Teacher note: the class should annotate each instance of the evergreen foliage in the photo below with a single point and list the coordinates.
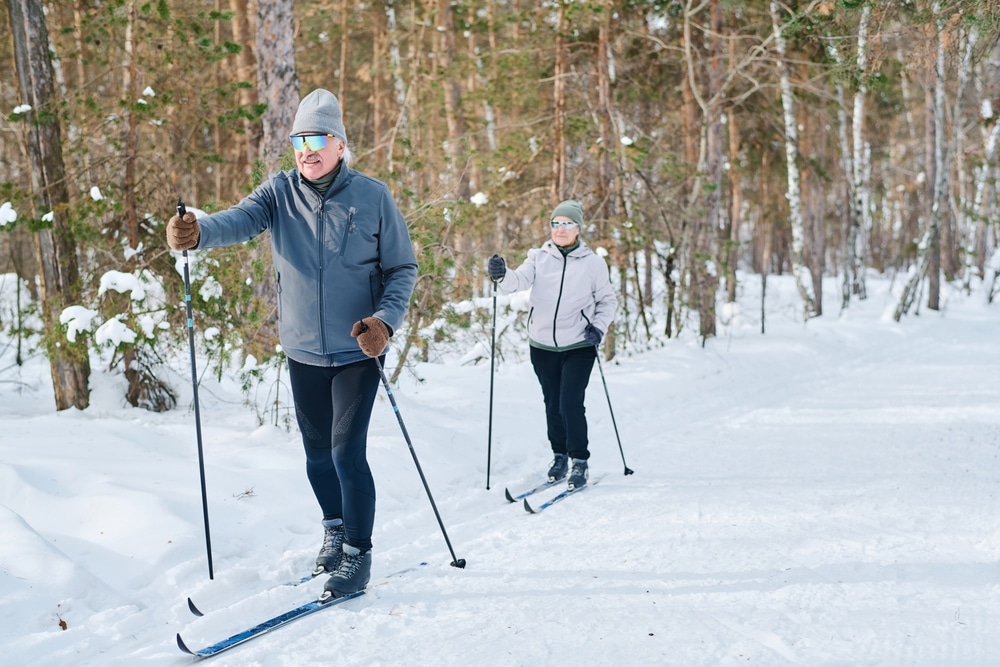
(663, 117)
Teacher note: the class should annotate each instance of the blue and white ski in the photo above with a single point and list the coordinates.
(193, 608)
(265, 627)
(525, 494)
(286, 617)
(562, 495)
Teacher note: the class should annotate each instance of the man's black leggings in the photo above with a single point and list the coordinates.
(333, 406)
(564, 377)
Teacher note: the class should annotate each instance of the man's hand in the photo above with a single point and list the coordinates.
(372, 335)
(183, 233)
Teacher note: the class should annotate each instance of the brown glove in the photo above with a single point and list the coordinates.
(372, 335)
(183, 233)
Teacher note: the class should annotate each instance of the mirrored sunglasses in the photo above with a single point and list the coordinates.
(565, 224)
(315, 142)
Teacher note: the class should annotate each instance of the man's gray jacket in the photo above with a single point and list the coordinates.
(338, 258)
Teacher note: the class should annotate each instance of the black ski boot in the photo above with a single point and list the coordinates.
(577, 474)
(558, 468)
(353, 575)
(332, 551)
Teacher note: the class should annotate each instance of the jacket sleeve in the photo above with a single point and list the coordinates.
(398, 263)
(521, 278)
(239, 223)
(605, 300)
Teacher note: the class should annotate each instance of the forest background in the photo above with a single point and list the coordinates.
(812, 137)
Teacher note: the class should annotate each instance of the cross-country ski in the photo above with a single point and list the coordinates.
(559, 497)
(267, 626)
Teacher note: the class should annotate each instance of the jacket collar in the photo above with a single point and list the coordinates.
(581, 250)
(344, 176)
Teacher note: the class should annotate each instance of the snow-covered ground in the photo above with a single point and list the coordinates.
(822, 494)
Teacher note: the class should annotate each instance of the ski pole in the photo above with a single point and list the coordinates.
(493, 352)
(181, 210)
(628, 471)
(455, 562)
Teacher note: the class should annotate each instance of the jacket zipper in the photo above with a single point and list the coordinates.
(347, 229)
(555, 314)
(320, 234)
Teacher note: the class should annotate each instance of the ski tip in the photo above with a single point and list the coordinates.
(510, 498)
(194, 610)
(182, 646)
(527, 507)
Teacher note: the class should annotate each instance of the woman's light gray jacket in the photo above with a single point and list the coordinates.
(337, 258)
(567, 293)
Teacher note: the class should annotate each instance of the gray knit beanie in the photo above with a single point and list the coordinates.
(570, 208)
(319, 111)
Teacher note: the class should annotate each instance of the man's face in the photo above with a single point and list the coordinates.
(316, 155)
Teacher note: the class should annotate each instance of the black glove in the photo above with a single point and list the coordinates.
(592, 335)
(496, 268)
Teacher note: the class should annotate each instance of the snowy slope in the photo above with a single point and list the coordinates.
(823, 494)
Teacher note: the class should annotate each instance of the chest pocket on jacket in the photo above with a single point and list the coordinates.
(349, 229)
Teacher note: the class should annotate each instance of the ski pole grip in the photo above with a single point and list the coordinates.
(181, 209)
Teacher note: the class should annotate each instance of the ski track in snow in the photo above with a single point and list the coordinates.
(824, 494)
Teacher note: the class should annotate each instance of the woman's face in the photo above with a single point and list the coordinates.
(564, 235)
(315, 161)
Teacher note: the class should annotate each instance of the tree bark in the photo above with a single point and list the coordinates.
(803, 280)
(940, 171)
(277, 82)
(454, 116)
(245, 60)
(929, 258)
(559, 191)
(56, 246)
(860, 216)
(130, 91)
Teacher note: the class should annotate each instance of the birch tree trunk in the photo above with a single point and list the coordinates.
(929, 260)
(803, 279)
(940, 170)
(277, 82)
(401, 127)
(58, 271)
(847, 167)
(860, 211)
(976, 255)
(953, 226)
(964, 224)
